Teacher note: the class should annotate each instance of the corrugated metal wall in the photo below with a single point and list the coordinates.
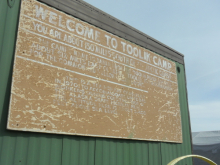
(25, 148)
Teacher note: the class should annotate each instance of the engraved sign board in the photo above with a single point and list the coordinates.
(71, 77)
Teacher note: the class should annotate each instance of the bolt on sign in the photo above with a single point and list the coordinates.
(73, 78)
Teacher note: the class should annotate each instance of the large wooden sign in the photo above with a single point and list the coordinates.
(73, 78)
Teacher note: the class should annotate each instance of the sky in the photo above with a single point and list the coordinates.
(192, 27)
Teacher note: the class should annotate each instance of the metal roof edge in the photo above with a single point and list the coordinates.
(101, 19)
(125, 24)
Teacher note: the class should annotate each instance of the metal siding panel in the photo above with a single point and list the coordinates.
(113, 151)
(72, 146)
(180, 152)
(98, 152)
(145, 153)
(138, 152)
(106, 152)
(154, 153)
(67, 154)
(7, 150)
(3, 14)
(186, 145)
(183, 115)
(132, 154)
(126, 148)
(118, 152)
(43, 146)
(78, 150)
(56, 150)
(169, 152)
(21, 144)
(7, 142)
(39, 148)
(110, 151)
(20, 147)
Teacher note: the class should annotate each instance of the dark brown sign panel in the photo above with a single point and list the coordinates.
(73, 78)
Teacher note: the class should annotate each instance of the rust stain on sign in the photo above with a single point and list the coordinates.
(73, 78)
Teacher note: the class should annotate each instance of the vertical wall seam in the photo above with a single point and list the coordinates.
(189, 121)
(3, 30)
(161, 157)
(62, 152)
(148, 153)
(95, 152)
